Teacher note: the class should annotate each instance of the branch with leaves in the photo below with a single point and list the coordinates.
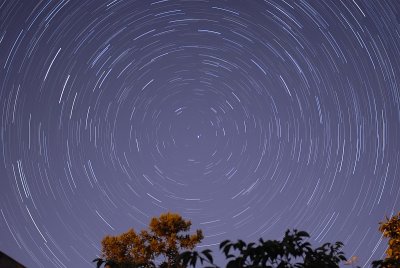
(391, 230)
(166, 238)
(291, 252)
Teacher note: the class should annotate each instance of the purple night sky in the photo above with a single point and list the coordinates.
(247, 117)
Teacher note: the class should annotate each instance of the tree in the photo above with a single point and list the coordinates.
(390, 229)
(166, 238)
(291, 252)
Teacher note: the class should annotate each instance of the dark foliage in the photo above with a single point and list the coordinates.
(112, 264)
(292, 252)
(386, 263)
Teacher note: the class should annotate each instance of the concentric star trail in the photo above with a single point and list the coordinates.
(247, 117)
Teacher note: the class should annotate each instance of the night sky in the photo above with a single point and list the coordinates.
(247, 117)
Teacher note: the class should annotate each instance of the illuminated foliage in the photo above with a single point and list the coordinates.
(166, 238)
(390, 229)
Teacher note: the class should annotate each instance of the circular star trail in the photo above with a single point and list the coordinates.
(246, 117)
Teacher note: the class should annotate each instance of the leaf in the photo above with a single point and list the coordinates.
(193, 260)
(208, 255)
(231, 264)
(185, 257)
(224, 243)
(226, 249)
(303, 234)
(99, 262)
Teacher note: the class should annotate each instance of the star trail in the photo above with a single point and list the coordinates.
(247, 117)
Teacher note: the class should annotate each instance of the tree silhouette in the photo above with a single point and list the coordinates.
(291, 252)
(166, 238)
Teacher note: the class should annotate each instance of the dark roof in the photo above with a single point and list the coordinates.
(8, 262)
